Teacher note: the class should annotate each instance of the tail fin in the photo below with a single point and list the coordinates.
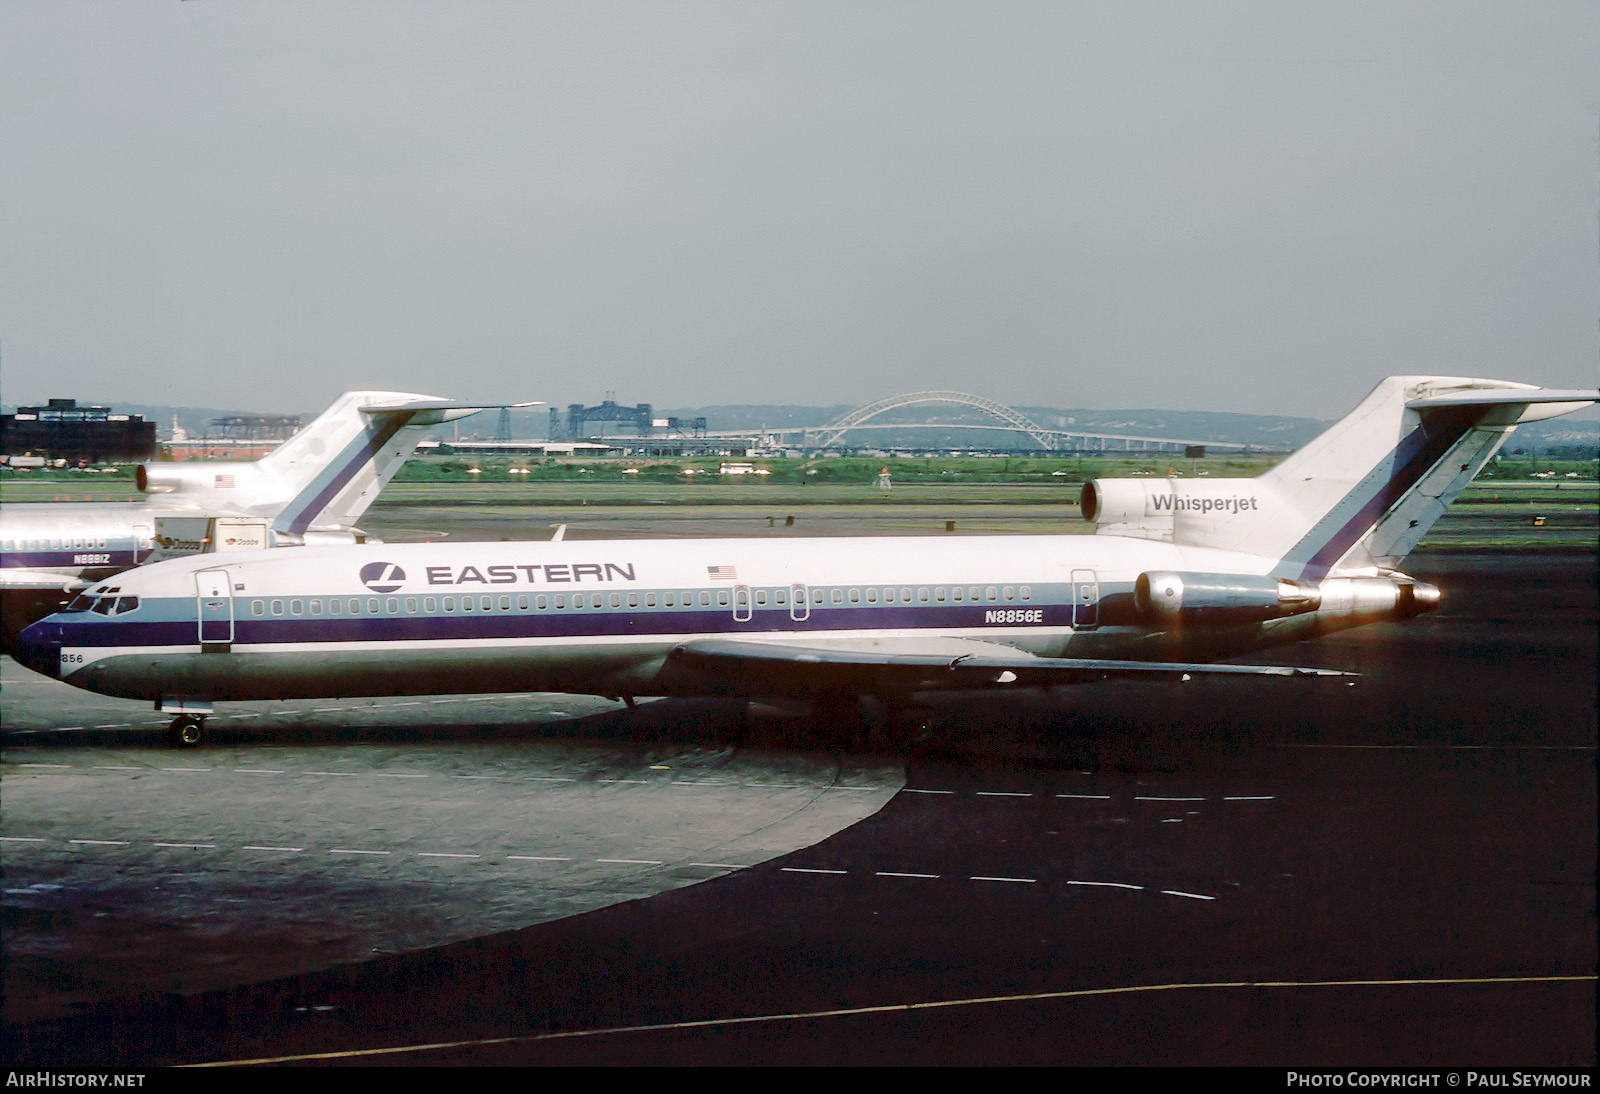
(334, 468)
(1367, 490)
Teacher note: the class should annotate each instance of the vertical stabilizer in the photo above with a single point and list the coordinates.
(336, 466)
(1367, 490)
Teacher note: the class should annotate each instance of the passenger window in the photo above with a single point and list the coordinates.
(411, 605)
(633, 600)
(372, 606)
(277, 607)
(1027, 593)
(486, 603)
(561, 601)
(989, 593)
(449, 603)
(705, 599)
(466, 603)
(355, 606)
(888, 596)
(316, 607)
(297, 607)
(542, 601)
(1010, 593)
(256, 607)
(837, 596)
(335, 606)
(594, 600)
(938, 594)
(671, 600)
(430, 605)
(872, 596)
(522, 603)
(393, 605)
(761, 596)
(722, 597)
(649, 600)
(855, 596)
(922, 596)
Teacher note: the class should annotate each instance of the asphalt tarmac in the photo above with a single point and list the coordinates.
(1291, 873)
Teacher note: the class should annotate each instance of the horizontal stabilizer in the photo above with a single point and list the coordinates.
(1507, 396)
(441, 404)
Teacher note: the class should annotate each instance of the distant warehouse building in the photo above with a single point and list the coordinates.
(63, 430)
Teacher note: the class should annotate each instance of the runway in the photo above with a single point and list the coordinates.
(1281, 873)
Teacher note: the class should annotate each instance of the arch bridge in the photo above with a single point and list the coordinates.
(835, 430)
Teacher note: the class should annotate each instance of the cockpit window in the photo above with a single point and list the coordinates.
(104, 605)
(80, 603)
(126, 604)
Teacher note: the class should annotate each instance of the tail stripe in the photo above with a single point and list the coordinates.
(1410, 460)
(297, 515)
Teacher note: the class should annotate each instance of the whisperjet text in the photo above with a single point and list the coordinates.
(1239, 503)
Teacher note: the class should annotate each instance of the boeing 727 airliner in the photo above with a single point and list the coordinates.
(1180, 573)
(311, 489)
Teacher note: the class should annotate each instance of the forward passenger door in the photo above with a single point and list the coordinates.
(214, 604)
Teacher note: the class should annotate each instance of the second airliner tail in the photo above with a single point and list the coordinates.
(336, 466)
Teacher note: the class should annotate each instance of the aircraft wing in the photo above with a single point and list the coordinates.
(39, 579)
(791, 667)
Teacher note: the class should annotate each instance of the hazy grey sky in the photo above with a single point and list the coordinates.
(1260, 207)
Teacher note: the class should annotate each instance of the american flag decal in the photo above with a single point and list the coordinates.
(222, 482)
(722, 573)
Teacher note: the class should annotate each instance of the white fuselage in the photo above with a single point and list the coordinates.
(602, 617)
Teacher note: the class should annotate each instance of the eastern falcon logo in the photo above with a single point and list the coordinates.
(382, 577)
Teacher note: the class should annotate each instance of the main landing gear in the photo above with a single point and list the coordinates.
(854, 723)
(187, 731)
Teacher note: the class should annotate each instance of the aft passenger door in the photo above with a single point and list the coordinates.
(214, 604)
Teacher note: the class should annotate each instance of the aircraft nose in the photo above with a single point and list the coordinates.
(39, 648)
